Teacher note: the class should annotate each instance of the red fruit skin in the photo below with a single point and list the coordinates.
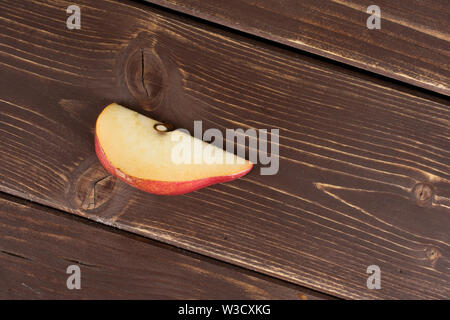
(162, 187)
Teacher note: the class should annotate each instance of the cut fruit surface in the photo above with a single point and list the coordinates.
(136, 149)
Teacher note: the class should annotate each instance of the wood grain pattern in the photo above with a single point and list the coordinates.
(413, 44)
(38, 244)
(364, 164)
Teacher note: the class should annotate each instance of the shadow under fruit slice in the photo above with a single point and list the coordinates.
(135, 149)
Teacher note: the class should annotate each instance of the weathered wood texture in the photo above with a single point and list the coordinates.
(364, 164)
(413, 44)
(37, 245)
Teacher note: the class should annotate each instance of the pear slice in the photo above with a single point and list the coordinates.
(139, 151)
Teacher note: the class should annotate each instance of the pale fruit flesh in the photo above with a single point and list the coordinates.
(130, 147)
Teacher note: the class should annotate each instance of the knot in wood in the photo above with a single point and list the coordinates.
(93, 186)
(145, 77)
(422, 193)
(432, 254)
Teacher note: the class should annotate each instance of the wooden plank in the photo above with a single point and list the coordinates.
(364, 164)
(38, 244)
(412, 45)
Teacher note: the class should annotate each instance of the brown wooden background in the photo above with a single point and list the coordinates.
(364, 163)
(412, 44)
